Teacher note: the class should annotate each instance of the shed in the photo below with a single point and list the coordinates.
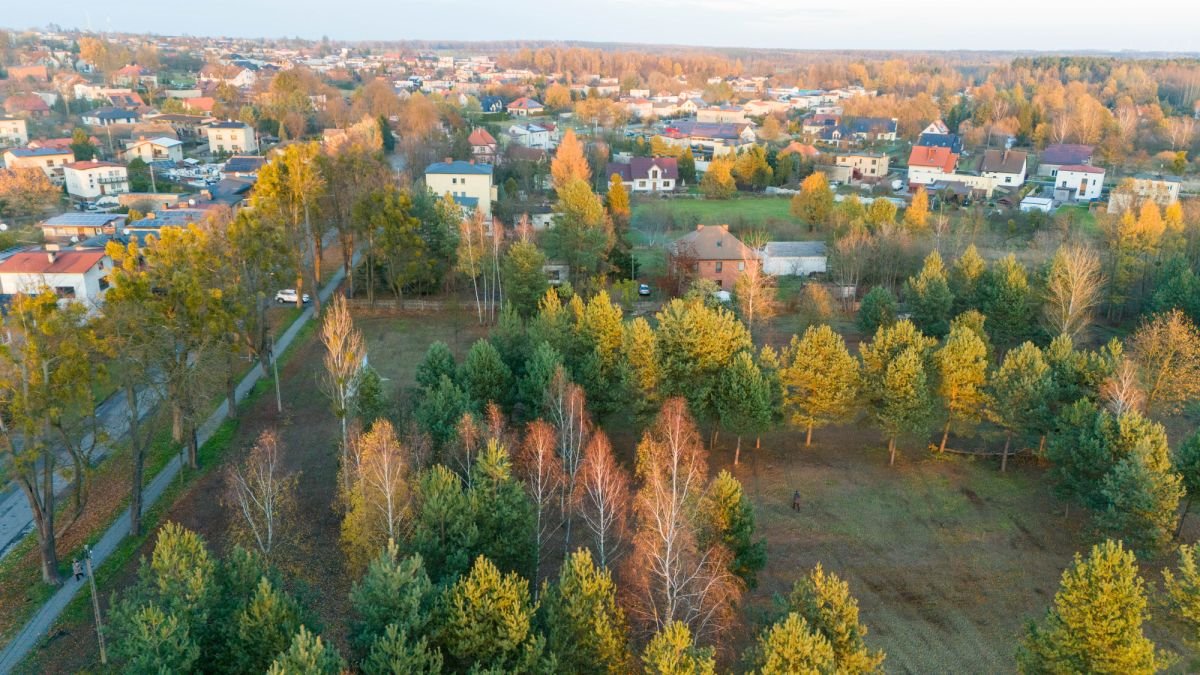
(1043, 204)
(794, 258)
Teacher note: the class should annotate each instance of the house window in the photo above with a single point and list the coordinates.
(742, 266)
(65, 291)
(104, 283)
(720, 266)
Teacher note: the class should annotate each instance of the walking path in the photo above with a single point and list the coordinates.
(37, 626)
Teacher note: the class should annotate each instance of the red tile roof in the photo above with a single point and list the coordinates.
(84, 166)
(1080, 168)
(481, 137)
(64, 262)
(924, 155)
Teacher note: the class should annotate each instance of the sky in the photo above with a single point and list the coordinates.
(1107, 25)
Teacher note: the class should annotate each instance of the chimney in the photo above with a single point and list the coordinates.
(51, 256)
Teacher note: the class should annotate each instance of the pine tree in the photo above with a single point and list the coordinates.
(820, 380)
(742, 400)
(687, 166)
(929, 296)
(308, 655)
(791, 646)
(485, 377)
(907, 401)
(440, 410)
(539, 371)
(672, 652)
(1143, 497)
(1019, 393)
(878, 308)
(1183, 591)
(524, 279)
(443, 532)
(397, 652)
(585, 627)
(503, 514)
(1095, 624)
(1008, 301)
(695, 343)
(727, 518)
(265, 627)
(825, 602)
(487, 619)
(1186, 463)
(395, 593)
(966, 278)
(438, 361)
(813, 204)
(645, 370)
(147, 640)
(962, 373)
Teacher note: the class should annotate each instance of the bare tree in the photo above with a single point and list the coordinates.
(755, 289)
(1166, 349)
(262, 495)
(345, 356)
(1073, 290)
(542, 473)
(670, 576)
(381, 467)
(1122, 392)
(603, 496)
(568, 413)
(1181, 131)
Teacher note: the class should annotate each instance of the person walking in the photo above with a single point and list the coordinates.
(796, 500)
(77, 568)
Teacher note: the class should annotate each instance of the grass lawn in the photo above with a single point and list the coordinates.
(657, 220)
(947, 556)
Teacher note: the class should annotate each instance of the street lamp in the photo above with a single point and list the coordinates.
(87, 556)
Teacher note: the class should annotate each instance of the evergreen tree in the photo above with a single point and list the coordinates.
(308, 655)
(1007, 300)
(1186, 463)
(371, 402)
(878, 308)
(792, 646)
(695, 343)
(743, 402)
(880, 213)
(151, 641)
(396, 652)
(966, 280)
(1095, 624)
(907, 401)
(962, 373)
(585, 627)
(644, 369)
(1142, 496)
(443, 533)
(504, 516)
(1019, 393)
(438, 362)
(485, 377)
(824, 601)
(672, 652)
(687, 167)
(727, 518)
(1183, 591)
(440, 410)
(487, 620)
(265, 627)
(531, 389)
(819, 378)
(511, 340)
(928, 295)
(394, 593)
(524, 279)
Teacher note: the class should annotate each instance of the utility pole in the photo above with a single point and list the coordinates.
(87, 555)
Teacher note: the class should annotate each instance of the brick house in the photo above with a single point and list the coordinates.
(711, 252)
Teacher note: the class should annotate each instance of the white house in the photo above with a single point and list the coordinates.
(155, 149)
(90, 180)
(1084, 181)
(929, 164)
(531, 136)
(75, 275)
(232, 138)
(1006, 167)
(107, 117)
(13, 131)
(646, 174)
(794, 258)
(49, 160)
(470, 184)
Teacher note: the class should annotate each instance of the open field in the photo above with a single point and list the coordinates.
(947, 556)
(656, 218)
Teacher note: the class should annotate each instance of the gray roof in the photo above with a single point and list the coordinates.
(229, 125)
(83, 219)
(37, 152)
(459, 167)
(794, 249)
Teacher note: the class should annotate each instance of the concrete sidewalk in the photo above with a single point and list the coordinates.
(41, 622)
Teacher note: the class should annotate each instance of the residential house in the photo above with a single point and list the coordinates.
(468, 183)
(126, 100)
(200, 104)
(132, 75)
(185, 126)
(75, 227)
(794, 258)
(711, 252)
(1079, 182)
(35, 72)
(1162, 190)
(26, 105)
(243, 166)
(231, 138)
(1062, 154)
(236, 75)
(13, 132)
(873, 128)
(805, 150)
(75, 275)
(721, 114)
(491, 104)
(87, 181)
(525, 107)
(710, 139)
(484, 148)
(530, 135)
(646, 174)
(869, 165)
(49, 160)
(927, 164)
(815, 125)
(952, 141)
(107, 117)
(1007, 167)
(936, 127)
(155, 150)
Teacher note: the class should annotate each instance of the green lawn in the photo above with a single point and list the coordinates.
(655, 219)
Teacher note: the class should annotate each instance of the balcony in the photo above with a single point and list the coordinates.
(112, 180)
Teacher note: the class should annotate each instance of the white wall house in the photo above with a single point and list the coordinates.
(49, 160)
(231, 138)
(155, 149)
(1087, 181)
(794, 258)
(531, 136)
(1007, 167)
(13, 131)
(468, 183)
(91, 180)
(75, 275)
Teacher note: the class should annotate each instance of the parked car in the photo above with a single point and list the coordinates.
(643, 290)
(288, 295)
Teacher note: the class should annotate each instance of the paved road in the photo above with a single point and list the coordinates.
(16, 650)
